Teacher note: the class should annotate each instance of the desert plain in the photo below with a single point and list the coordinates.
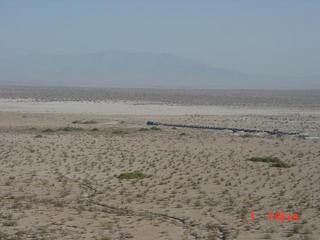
(95, 172)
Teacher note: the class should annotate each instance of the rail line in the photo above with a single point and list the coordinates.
(246, 130)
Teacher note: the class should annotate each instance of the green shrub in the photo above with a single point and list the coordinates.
(48, 130)
(275, 162)
(119, 131)
(84, 122)
(68, 129)
(247, 135)
(144, 129)
(280, 165)
(155, 128)
(132, 175)
(149, 129)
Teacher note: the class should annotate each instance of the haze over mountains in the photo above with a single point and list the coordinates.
(139, 69)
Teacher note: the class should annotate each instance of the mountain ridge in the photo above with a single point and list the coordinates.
(135, 69)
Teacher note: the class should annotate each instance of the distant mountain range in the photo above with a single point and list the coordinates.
(123, 69)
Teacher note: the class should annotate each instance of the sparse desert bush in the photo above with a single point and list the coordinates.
(58, 203)
(212, 236)
(132, 175)
(38, 136)
(296, 229)
(280, 165)
(65, 129)
(48, 130)
(267, 236)
(105, 238)
(84, 122)
(9, 223)
(94, 130)
(68, 129)
(275, 162)
(3, 235)
(119, 131)
(247, 135)
(149, 129)
(143, 129)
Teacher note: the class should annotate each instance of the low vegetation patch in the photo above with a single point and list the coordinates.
(68, 129)
(155, 128)
(143, 129)
(280, 165)
(274, 161)
(84, 122)
(48, 130)
(132, 175)
(149, 129)
(247, 135)
(65, 129)
(119, 131)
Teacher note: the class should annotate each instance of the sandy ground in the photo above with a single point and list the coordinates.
(60, 180)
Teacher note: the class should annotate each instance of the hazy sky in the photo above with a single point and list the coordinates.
(270, 36)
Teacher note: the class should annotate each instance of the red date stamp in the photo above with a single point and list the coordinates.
(280, 216)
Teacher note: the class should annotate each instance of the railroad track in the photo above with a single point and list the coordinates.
(246, 130)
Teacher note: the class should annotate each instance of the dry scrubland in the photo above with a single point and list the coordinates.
(60, 180)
